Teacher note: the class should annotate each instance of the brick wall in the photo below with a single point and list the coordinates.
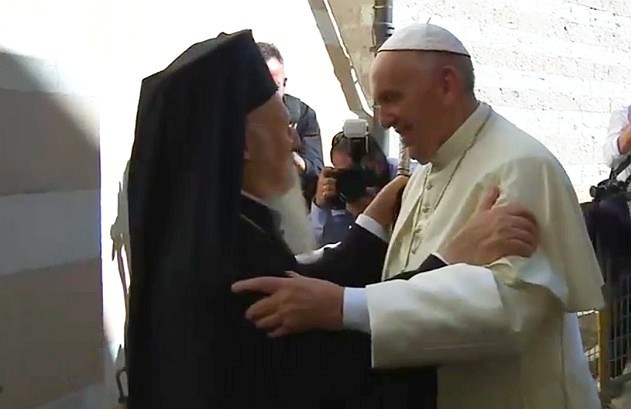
(555, 68)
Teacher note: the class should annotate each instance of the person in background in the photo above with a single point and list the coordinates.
(308, 155)
(330, 218)
(616, 150)
(617, 146)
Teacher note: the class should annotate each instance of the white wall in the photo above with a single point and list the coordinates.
(51, 334)
(555, 68)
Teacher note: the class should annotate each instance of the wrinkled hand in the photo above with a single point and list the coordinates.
(493, 232)
(293, 304)
(384, 207)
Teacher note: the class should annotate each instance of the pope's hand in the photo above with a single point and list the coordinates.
(293, 304)
(493, 232)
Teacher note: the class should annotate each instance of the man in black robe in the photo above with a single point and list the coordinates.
(212, 144)
(212, 149)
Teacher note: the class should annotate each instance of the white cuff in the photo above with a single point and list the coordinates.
(373, 227)
(355, 310)
(313, 256)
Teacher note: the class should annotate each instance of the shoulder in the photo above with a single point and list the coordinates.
(297, 103)
(512, 154)
(508, 144)
(620, 117)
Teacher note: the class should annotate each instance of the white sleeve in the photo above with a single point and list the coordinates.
(618, 122)
(369, 224)
(455, 313)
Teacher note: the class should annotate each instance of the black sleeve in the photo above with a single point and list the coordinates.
(431, 263)
(356, 262)
(311, 147)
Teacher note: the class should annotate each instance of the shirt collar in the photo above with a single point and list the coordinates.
(254, 198)
(462, 138)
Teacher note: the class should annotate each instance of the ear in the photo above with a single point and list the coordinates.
(450, 83)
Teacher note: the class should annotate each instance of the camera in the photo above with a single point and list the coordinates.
(352, 182)
(612, 187)
(608, 188)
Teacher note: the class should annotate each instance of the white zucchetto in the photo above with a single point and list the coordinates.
(424, 37)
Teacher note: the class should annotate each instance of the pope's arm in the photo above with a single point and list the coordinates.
(463, 312)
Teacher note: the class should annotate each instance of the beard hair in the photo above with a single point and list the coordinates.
(295, 223)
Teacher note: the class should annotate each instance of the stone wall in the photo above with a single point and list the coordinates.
(555, 68)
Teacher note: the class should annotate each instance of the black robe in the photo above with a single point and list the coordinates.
(318, 369)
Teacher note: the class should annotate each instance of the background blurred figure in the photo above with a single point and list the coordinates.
(308, 155)
(618, 143)
(330, 216)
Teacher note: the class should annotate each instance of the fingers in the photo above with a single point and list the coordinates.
(491, 197)
(327, 172)
(267, 285)
(517, 247)
(270, 323)
(266, 316)
(525, 224)
(265, 307)
(516, 210)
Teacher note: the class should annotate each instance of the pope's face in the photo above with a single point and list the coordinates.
(268, 150)
(412, 98)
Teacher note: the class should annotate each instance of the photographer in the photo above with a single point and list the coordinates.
(618, 143)
(331, 216)
(610, 223)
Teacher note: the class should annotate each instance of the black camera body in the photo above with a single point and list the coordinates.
(352, 182)
(612, 187)
(608, 188)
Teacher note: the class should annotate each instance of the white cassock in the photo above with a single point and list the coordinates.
(505, 336)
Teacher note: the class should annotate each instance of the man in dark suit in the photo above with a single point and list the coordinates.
(308, 154)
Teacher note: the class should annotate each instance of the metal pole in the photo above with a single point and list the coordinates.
(382, 29)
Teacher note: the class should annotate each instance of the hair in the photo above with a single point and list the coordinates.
(270, 51)
(374, 160)
(464, 67)
(460, 63)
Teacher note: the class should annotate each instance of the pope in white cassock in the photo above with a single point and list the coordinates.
(506, 335)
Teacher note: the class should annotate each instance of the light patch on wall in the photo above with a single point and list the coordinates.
(48, 229)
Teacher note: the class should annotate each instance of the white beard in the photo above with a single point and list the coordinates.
(295, 222)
